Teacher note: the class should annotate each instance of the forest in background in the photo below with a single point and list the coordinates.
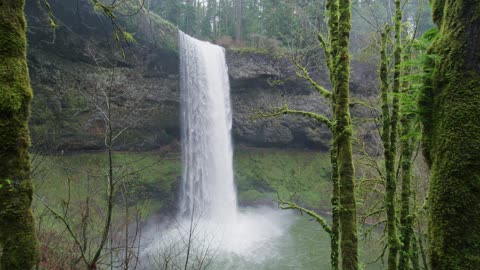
(268, 24)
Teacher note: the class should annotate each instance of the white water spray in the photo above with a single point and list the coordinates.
(207, 183)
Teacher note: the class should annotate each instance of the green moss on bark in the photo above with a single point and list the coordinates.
(391, 152)
(437, 10)
(335, 234)
(330, 54)
(452, 132)
(343, 140)
(17, 234)
(407, 250)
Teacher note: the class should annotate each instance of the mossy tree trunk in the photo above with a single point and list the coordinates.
(343, 231)
(391, 113)
(407, 145)
(391, 152)
(343, 141)
(17, 234)
(406, 219)
(452, 135)
(331, 53)
(335, 235)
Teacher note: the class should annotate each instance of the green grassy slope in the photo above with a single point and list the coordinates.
(260, 175)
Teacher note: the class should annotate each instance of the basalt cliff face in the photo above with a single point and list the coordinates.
(81, 84)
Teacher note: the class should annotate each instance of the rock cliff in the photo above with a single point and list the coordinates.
(76, 76)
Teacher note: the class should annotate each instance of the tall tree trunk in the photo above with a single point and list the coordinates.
(391, 189)
(17, 233)
(334, 236)
(238, 21)
(407, 144)
(406, 219)
(212, 16)
(343, 140)
(331, 53)
(389, 152)
(414, 254)
(190, 18)
(452, 137)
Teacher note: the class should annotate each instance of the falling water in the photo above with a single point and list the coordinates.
(207, 185)
(208, 202)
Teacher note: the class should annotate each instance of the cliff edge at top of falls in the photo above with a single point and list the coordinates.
(73, 68)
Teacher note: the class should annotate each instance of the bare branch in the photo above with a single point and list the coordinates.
(317, 217)
(67, 226)
(278, 111)
(304, 74)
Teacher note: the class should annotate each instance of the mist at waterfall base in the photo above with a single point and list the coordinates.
(253, 242)
(209, 226)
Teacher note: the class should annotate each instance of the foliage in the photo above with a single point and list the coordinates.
(263, 24)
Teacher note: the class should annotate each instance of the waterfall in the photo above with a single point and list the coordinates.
(207, 187)
(209, 222)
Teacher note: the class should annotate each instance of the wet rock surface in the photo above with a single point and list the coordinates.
(72, 71)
